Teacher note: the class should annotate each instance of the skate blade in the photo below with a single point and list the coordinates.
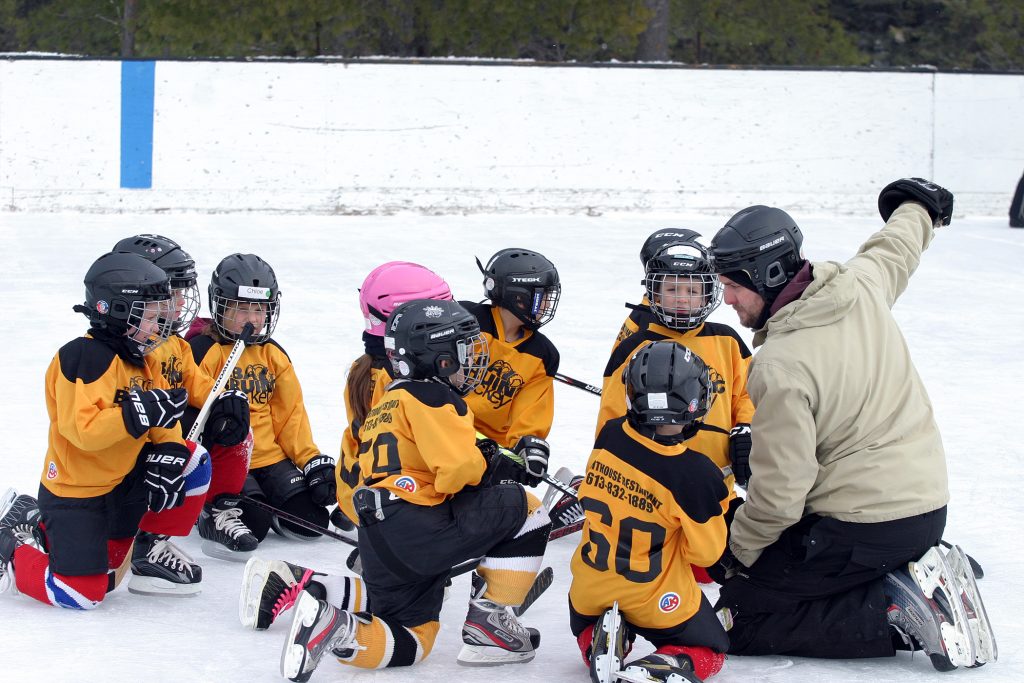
(155, 587)
(932, 573)
(564, 475)
(977, 616)
(7, 500)
(293, 656)
(251, 594)
(221, 552)
(604, 668)
(484, 655)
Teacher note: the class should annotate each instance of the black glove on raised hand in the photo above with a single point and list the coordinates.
(142, 410)
(535, 452)
(228, 421)
(937, 200)
(165, 475)
(739, 453)
(319, 474)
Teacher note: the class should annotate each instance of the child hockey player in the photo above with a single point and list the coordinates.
(288, 471)
(270, 587)
(653, 506)
(115, 450)
(682, 292)
(426, 504)
(226, 434)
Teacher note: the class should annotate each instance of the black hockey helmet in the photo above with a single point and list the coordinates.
(659, 240)
(667, 384)
(244, 284)
(435, 339)
(759, 248)
(682, 288)
(179, 266)
(127, 295)
(525, 283)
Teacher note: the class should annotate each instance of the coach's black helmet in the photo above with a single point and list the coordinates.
(759, 248)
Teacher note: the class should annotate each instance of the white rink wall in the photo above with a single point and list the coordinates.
(437, 138)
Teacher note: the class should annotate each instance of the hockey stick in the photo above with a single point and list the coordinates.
(564, 379)
(222, 380)
(299, 521)
(462, 568)
(976, 569)
(540, 584)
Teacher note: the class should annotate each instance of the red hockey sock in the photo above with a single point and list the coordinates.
(706, 662)
(585, 640)
(230, 467)
(701, 574)
(35, 580)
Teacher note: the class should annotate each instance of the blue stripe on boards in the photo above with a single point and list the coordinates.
(137, 124)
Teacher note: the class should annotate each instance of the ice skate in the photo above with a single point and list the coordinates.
(161, 568)
(659, 668)
(225, 536)
(269, 587)
(565, 511)
(492, 635)
(8, 544)
(925, 610)
(20, 514)
(608, 649)
(316, 628)
(985, 649)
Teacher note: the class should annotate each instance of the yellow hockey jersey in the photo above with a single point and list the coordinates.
(418, 442)
(173, 365)
(651, 511)
(277, 414)
(517, 395)
(639, 318)
(727, 358)
(89, 450)
(346, 474)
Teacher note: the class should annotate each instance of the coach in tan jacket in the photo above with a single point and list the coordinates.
(847, 471)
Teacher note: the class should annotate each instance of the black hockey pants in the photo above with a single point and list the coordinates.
(818, 590)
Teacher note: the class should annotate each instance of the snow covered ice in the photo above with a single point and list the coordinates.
(962, 316)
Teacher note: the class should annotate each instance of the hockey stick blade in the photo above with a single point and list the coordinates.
(976, 569)
(540, 584)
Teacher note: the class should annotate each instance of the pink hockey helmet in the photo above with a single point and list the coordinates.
(393, 283)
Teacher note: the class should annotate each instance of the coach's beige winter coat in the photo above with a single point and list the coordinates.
(843, 426)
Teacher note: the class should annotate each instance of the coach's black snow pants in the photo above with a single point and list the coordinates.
(818, 590)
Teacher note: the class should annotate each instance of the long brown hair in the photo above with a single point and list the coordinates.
(359, 387)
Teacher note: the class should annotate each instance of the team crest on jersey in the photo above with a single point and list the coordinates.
(717, 381)
(500, 384)
(51, 470)
(669, 602)
(257, 381)
(407, 484)
(171, 371)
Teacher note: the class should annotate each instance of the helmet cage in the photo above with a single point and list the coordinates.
(677, 276)
(150, 322)
(186, 303)
(534, 306)
(256, 303)
(453, 351)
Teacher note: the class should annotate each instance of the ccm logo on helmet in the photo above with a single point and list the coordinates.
(771, 244)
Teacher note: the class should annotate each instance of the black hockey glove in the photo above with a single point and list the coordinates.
(739, 453)
(319, 474)
(504, 467)
(535, 452)
(165, 475)
(937, 200)
(228, 421)
(142, 410)
(725, 568)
